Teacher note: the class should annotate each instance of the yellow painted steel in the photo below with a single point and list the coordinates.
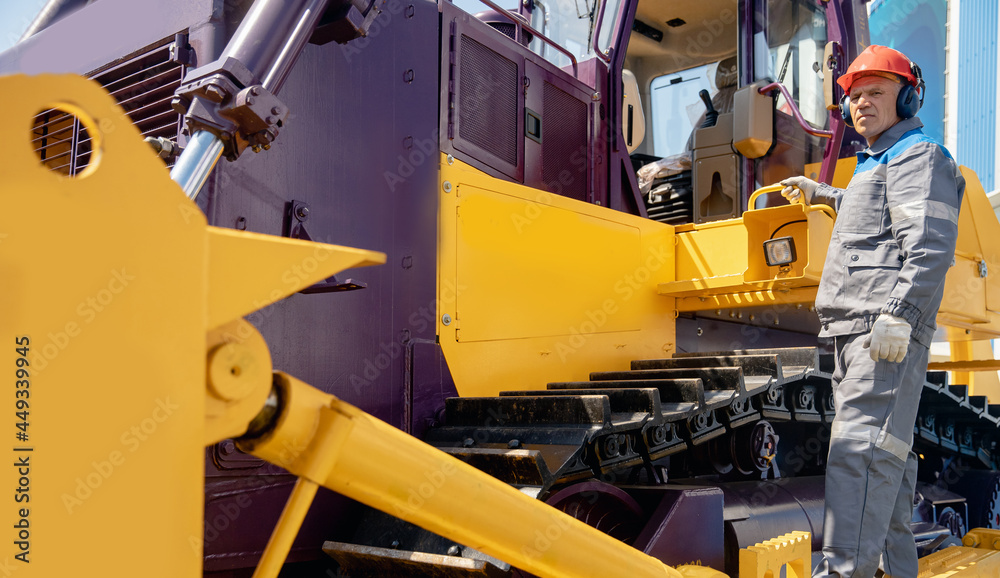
(798, 298)
(105, 278)
(722, 264)
(113, 293)
(978, 557)
(332, 443)
(534, 287)
(250, 271)
(792, 551)
(238, 379)
(972, 364)
(286, 529)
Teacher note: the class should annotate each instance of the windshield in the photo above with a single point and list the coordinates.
(791, 52)
(569, 23)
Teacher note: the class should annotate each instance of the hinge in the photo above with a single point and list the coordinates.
(180, 51)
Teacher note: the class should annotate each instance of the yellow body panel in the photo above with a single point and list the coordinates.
(540, 288)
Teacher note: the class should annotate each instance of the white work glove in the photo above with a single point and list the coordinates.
(889, 338)
(794, 184)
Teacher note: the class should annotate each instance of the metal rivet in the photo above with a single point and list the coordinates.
(408, 76)
(451, 159)
(854, 257)
(447, 186)
(446, 319)
(700, 332)
(410, 11)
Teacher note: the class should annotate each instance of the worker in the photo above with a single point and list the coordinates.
(892, 244)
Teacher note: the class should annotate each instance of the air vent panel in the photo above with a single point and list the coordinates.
(142, 84)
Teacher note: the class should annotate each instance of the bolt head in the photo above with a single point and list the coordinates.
(255, 90)
(451, 159)
(446, 319)
(302, 212)
(276, 110)
(447, 186)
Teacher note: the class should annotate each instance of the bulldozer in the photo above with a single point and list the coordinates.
(446, 288)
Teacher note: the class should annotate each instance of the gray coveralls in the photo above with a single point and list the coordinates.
(892, 244)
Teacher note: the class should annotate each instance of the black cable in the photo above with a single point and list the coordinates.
(785, 225)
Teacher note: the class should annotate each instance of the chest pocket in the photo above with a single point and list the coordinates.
(862, 211)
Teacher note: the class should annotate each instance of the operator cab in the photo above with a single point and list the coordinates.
(677, 50)
(686, 150)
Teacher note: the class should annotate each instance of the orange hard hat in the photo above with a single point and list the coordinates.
(878, 59)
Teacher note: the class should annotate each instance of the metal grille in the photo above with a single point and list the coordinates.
(143, 85)
(487, 100)
(564, 142)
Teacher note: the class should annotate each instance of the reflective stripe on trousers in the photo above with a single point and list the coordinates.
(871, 472)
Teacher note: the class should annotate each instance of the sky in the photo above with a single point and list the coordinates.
(15, 16)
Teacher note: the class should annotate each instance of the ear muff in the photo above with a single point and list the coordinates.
(911, 98)
(908, 102)
(845, 110)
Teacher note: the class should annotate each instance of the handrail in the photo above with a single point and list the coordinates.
(521, 25)
(795, 110)
(801, 200)
(595, 41)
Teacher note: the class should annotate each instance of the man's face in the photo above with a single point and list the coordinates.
(873, 106)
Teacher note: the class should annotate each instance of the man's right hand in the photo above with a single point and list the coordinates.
(795, 184)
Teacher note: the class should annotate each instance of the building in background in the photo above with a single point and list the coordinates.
(955, 44)
(918, 29)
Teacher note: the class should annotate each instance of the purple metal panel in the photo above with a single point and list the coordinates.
(430, 383)
(478, 91)
(559, 162)
(489, 100)
(686, 528)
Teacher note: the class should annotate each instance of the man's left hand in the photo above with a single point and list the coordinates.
(889, 339)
